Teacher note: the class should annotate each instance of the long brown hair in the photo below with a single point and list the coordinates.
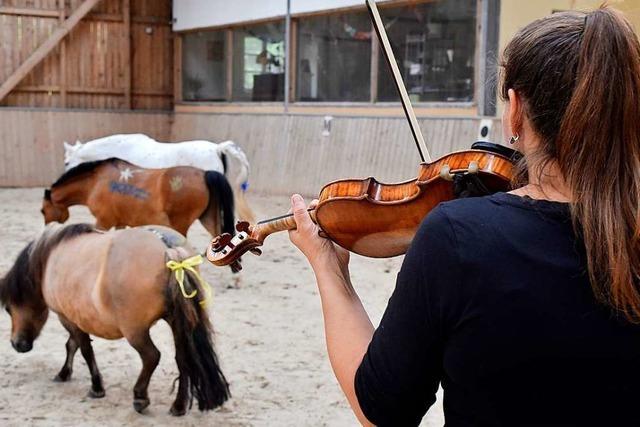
(579, 77)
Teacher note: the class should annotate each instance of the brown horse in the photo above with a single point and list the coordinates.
(119, 194)
(115, 285)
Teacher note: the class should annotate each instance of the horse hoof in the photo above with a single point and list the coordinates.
(140, 404)
(62, 377)
(96, 394)
(178, 410)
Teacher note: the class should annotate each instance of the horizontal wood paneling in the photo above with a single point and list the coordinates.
(291, 154)
(31, 141)
(287, 153)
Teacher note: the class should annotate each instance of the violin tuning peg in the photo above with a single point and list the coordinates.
(473, 168)
(256, 251)
(445, 173)
(242, 226)
(220, 241)
(235, 266)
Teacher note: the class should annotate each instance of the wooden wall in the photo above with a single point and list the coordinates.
(291, 153)
(287, 152)
(31, 141)
(119, 57)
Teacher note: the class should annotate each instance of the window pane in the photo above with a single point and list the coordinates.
(258, 62)
(334, 58)
(434, 44)
(203, 66)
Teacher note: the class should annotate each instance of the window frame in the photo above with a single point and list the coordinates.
(487, 17)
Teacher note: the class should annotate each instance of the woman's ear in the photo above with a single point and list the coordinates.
(515, 112)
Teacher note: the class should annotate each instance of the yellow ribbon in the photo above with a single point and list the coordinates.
(188, 264)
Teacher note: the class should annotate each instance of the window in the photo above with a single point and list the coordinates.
(434, 44)
(258, 62)
(203, 65)
(334, 58)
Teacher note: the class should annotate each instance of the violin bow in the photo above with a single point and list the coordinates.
(397, 77)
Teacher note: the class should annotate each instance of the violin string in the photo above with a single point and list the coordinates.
(264, 221)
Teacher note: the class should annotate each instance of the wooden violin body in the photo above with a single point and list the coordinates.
(379, 220)
(374, 219)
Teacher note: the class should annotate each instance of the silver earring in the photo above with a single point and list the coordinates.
(514, 139)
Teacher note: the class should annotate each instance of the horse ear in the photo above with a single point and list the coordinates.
(67, 146)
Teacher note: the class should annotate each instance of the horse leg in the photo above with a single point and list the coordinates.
(65, 373)
(97, 389)
(150, 358)
(83, 341)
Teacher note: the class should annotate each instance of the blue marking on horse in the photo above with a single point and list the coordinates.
(128, 190)
(244, 186)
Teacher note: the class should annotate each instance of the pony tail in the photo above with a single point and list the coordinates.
(220, 198)
(598, 151)
(195, 354)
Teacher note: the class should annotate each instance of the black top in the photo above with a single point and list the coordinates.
(494, 303)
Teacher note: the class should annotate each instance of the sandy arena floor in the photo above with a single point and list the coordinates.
(269, 338)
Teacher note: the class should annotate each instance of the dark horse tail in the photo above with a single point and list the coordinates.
(196, 358)
(220, 199)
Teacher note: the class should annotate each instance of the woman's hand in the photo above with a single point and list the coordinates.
(319, 251)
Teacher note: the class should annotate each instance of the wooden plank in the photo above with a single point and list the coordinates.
(126, 16)
(229, 63)
(63, 57)
(293, 59)
(41, 52)
(115, 17)
(37, 88)
(90, 90)
(362, 110)
(177, 67)
(42, 13)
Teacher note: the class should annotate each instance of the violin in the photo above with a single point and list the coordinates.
(379, 220)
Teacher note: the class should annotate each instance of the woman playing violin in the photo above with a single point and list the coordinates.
(524, 305)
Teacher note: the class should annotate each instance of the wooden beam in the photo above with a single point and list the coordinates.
(89, 90)
(177, 68)
(63, 56)
(115, 17)
(126, 16)
(229, 64)
(293, 59)
(39, 88)
(44, 49)
(95, 90)
(21, 11)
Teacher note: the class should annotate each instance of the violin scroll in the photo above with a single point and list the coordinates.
(227, 250)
